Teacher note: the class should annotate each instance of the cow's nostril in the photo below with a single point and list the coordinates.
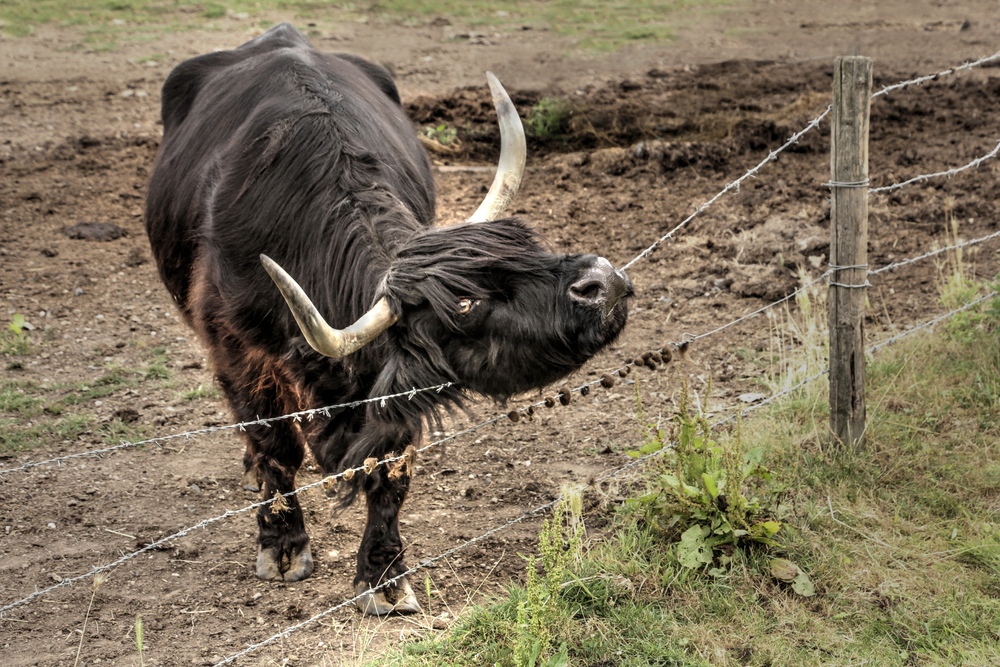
(589, 291)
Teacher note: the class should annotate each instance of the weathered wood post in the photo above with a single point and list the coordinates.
(852, 86)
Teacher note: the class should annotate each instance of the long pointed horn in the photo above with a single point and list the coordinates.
(512, 156)
(318, 333)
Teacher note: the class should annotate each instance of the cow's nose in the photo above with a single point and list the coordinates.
(600, 286)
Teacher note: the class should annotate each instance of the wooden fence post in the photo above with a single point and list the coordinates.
(852, 86)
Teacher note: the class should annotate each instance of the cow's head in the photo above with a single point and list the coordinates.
(483, 303)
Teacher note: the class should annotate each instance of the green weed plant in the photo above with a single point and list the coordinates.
(14, 339)
(698, 500)
(539, 613)
(548, 119)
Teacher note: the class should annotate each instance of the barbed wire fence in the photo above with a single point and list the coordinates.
(370, 465)
(686, 340)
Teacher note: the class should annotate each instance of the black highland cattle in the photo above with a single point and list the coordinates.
(277, 149)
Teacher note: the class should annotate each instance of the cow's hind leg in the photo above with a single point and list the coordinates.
(258, 386)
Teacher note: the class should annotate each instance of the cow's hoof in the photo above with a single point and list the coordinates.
(406, 601)
(251, 480)
(376, 603)
(372, 603)
(272, 565)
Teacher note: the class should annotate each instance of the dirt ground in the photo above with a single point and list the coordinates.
(657, 130)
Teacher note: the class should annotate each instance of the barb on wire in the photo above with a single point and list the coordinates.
(295, 416)
(389, 582)
(735, 185)
(926, 177)
(931, 77)
(932, 253)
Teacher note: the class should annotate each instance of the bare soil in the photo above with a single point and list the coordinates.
(654, 132)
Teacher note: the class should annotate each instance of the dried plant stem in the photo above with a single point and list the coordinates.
(98, 580)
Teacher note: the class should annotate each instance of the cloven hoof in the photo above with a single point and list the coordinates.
(377, 603)
(273, 565)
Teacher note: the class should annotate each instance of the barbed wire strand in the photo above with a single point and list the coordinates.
(812, 378)
(326, 480)
(242, 426)
(932, 77)
(686, 340)
(793, 140)
(926, 177)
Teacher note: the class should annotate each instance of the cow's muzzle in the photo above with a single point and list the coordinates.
(601, 286)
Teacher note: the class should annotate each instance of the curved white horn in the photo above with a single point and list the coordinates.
(323, 338)
(512, 155)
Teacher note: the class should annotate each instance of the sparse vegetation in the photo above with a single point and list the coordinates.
(33, 414)
(697, 499)
(443, 134)
(14, 339)
(157, 368)
(200, 393)
(548, 119)
(139, 639)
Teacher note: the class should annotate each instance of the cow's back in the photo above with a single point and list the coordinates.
(265, 150)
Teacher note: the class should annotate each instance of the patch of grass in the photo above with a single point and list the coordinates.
(200, 393)
(901, 542)
(16, 436)
(593, 25)
(14, 338)
(33, 415)
(442, 134)
(115, 431)
(212, 10)
(19, 398)
(548, 119)
(157, 368)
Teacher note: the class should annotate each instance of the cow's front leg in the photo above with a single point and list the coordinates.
(380, 557)
(283, 546)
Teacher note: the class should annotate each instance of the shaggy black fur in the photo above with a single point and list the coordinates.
(277, 148)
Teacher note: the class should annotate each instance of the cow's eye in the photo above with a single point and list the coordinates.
(465, 305)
